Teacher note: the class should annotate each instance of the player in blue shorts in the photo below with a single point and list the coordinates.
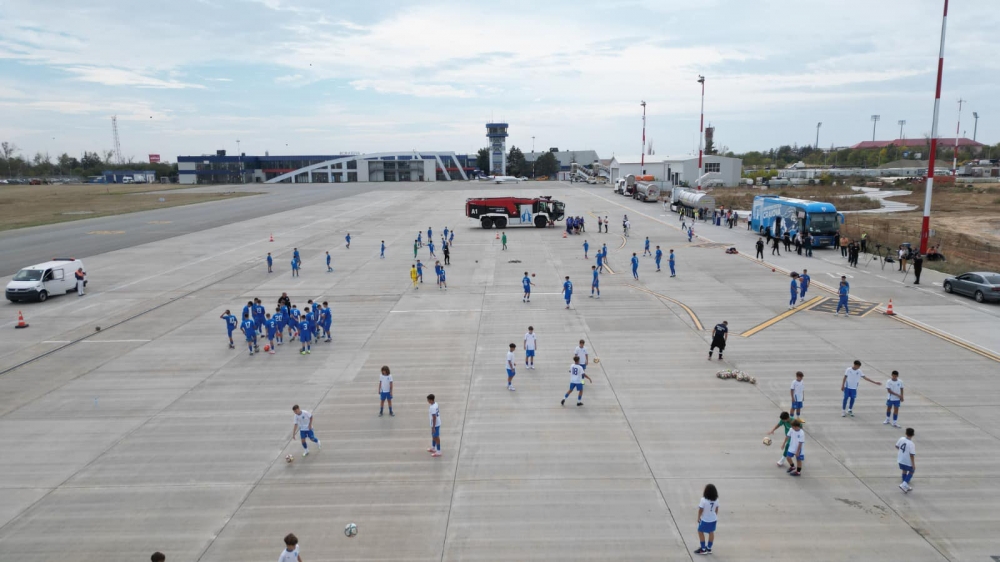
(586, 248)
(348, 240)
(568, 291)
(670, 262)
(248, 309)
(434, 412)
(305, 333)
(595, 285)
(296, 257)
(511, 367)
(600, 261)
(272, 328)
(293, 322)
(430, 235)
(795, 442)
(231, 323)
(385, 390)
(451, 238)
(279, 323)
(304, 424)
(798, 394)
(430, 248)
(258, 315)
(842, 301)
(420, 271)
(635, 266)
(794, 287)
(530, 345)
(894, 398)
(646, 249)
(295, 268)
(382, 254)
(270, 262)
(659, 256)
(249, 332)
(329, 267)
(576, 376)
(804, 280)
(708, 517)
(327, 321)
(445, 234)
(442, 278)
(526, 282)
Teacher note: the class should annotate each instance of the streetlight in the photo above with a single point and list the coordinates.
(818, 125)
(239, 158)
(535, 158)
(901, 122)
(875, 120)
(975, 115)
(642, 155)
(701, 134)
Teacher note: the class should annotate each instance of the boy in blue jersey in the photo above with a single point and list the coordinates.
(659, 256)
(646, 250)
(595, 285)
(690, 233)
(248, 309)
(804, 283)
(600, 261)
(430, 247)
(567, 291)
(296, 257)
(295, 268)
(794, 287)
(293, 325)
(451, 237)
(670, 262)
(249, 332)
(442, 281)
(420, 239)
(430, 235)
(271, 326)
(231, 323)
(270, 262)
(635, 266)
(446, 232)
(329, 268)
(348, 240)
(842, 302)
(305, 333)
(526, 282)
(420, 271)
(258, 315)
(382, 254)
(279, 325)
(586, 248)
(327, 321)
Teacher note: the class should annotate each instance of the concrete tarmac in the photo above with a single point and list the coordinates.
(151, 434)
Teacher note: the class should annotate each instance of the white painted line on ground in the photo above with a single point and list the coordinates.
(56, 341)
(115, 341)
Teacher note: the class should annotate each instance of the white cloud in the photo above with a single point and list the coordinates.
(412, 89)
(289, 79)
(120, 77)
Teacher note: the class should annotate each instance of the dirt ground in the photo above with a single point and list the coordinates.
(33, 205)
(743, 198)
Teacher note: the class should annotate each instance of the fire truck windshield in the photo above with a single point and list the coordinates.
(558, 210)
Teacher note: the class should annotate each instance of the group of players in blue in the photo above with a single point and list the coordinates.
(313, 322)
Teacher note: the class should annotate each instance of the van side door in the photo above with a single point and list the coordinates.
(59, 280)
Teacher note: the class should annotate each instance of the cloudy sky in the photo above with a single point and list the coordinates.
(323, 77)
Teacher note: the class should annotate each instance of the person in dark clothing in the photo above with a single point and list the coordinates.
(767, 233)
(807, 241)
(787, 240)
(760, 248)
(774, 246)
(447, 253)
(798, 245)
(918, 266)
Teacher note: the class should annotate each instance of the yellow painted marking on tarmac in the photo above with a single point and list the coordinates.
(781, 317)
(694, 317)
(106, 232)
(624, 241)
(946, 337)
(159, 222)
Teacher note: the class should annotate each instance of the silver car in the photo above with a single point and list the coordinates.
(980, 285)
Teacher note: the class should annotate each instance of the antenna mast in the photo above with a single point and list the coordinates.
(118, 146)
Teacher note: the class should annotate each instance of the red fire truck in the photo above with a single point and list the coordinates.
(502, 212)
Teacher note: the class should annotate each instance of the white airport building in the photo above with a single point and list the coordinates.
(722, 170)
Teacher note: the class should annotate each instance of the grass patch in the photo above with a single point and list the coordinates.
(34, 205)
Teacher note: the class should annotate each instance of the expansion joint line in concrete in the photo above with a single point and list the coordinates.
(780, 317)
(945, 336)
(694, 317)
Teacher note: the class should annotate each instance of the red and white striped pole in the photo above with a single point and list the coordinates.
(642, 157)
(925, 229)
(701, 129)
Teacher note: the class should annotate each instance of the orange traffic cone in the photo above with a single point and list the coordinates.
(20, 321)
(272, 238)
(498, 235)
(888, 310)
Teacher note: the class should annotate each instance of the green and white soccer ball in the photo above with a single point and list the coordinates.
(350, 530)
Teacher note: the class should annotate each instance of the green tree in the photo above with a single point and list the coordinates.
(709, 145)
(516, 163)
(483, 160)
(546, 165)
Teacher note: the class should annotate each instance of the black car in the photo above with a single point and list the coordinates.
(980, 285)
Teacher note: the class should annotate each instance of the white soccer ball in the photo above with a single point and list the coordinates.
(350, 530)
(767, 441)
(289, 459)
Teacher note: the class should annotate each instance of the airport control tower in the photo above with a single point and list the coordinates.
(497, 133)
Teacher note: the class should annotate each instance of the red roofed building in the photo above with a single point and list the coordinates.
(916, 143)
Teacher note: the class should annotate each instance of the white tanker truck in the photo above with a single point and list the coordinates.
(681, 197)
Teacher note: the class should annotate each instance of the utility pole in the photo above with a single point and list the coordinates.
(533, 155)
(901, 122)
(818, 125)
(925, 227)
(975, 115)
(875, 120)
(642, 155)
(701, 133)
(958, 127)
(239, 158)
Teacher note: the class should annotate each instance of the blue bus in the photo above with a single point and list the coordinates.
(785, 214)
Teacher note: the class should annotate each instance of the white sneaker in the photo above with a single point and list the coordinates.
(886, 422)
(894, 424)
(511, 388)
(850, 413)
(781, 463)
(431, 450)
(318, 444)
(843, 414)
(435, 454)
(305, 453)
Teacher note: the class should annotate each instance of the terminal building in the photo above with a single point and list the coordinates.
(221, 168)
(722, 171)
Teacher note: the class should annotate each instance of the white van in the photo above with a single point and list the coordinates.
(41, 281)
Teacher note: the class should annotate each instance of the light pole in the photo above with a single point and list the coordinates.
(533, 156)
(958, 127)
(239, 158)
(818, 125)
(975, 115)
(925, 227)
(642, 155)
(901, 122)
(701, 130)
(875, 120)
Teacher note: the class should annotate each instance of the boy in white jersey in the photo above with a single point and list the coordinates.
(798, 393)
(511, 367)
(849, 386)
(530, 343)
(894, 386)
(385, 390)
(576, 376)
(581, 352)
(434, 412)
(796, 440)
(304, 422)
(291, 552)
(907, 459)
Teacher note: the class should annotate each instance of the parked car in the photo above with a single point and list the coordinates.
(980, 285)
